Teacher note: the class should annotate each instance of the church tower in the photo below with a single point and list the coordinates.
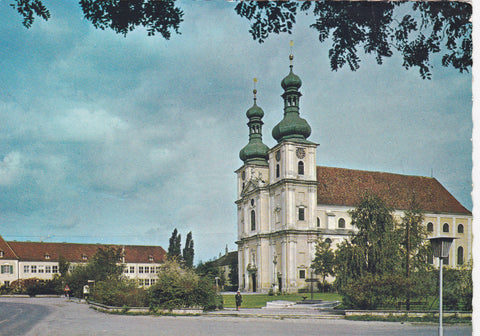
(277, 199)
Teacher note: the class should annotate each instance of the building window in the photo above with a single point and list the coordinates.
(252, 220)
(446, 228)
(150, 258)
(277, 171)
(132, 269)
(301, 274)
(41, 269)
(301, 214)
(48, 269)
(84, 257)
(47, 256)
(7, 269)
(140, 269)
(26, 269)
(34, 269)
(6, 283)
(430, 227)
(318, 222)
(1, 254)
(54, 269)
(460, 228)
(460, 255)
(125, 270)
(157, 269)
(152, 269)
(341, 223)
(328, 241)
(301, 168)
(141, 282)
(152, 281)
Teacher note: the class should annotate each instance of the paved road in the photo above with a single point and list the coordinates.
(17, 318)
(71, 318)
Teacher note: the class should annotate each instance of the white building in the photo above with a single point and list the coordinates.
(24, 260)
(285, 201)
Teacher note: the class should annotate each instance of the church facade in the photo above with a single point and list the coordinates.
(285, 202)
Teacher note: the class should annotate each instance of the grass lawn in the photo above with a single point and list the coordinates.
(260, 300)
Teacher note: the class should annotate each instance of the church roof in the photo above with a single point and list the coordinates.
(37, 251)
(340, 186)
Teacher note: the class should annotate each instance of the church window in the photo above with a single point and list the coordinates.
(301, 214)
(446, 228)
(252, 220)
(341, 223)
(277, 171)
(252, 202)
(430, 227)
(460, 228)
(318, 222)
(302, 274)
(301, 168)
(460, 255)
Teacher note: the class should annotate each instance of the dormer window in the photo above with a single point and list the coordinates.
(84, 257)
(1, 254)
(150, 258)
(47, 256)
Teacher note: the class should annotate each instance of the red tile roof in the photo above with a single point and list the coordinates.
(34, 251)
(340, 186)
(8, 253)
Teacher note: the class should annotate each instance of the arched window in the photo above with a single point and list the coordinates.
(446, 228)
(430, 227)
(460, 255)
(301, 168)
(301, 214)
(318, 222)
(252, 220)
(341, 223)
(460, 228)
(328, 241)
(277, 171)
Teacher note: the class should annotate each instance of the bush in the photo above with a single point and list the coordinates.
(120, 293)
(371, 292)
(35, 286)
(182, 288)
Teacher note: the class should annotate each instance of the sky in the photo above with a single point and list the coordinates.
(113, 139)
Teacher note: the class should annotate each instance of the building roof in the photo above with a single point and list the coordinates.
(227, 259)
(340, 186)
(8, 253)
(35, 251)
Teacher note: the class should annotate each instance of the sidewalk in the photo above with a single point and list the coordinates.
(285, 309)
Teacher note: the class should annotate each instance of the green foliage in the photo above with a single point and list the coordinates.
(119, 15)
(174, 246)
(63, 266)
(104, 265)
(458, 288)
(35, 286)
(118, 293)
(416, 31)
(374, 291)
(233, 275)
(188, 252)
(178, 287)
(323, 263)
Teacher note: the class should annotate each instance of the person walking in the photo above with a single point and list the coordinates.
(238, 300)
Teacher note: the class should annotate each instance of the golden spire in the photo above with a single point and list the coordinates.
(291, 53)
(254, 89)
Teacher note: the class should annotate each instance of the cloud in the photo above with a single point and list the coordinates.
(11, 169)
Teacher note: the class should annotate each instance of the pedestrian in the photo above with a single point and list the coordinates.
(238, 299)
(67, 292)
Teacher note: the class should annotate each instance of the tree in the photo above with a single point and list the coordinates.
(119, 15)
(381, 28)
(233, 274)
(174, 246)
(324, 260)
(63, 266)
(414, 234)
(188, 252)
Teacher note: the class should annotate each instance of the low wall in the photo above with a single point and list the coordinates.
(412, 313)
(110, 309)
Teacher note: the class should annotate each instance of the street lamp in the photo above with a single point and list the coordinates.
(441, 248)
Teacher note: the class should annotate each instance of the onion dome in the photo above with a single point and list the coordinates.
(291, 127)
(255, 152)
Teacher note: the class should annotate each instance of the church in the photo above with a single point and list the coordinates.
(285, 202)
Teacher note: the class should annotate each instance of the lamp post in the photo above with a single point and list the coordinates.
(441, 248)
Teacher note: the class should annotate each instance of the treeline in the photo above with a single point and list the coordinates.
(384, 263)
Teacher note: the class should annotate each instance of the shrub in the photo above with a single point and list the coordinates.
(180, 288)
(120, 293)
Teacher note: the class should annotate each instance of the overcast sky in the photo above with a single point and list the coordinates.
(112, 139)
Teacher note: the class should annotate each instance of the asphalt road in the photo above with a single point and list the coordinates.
(51, 317)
